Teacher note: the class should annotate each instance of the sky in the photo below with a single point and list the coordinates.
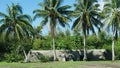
(30, 5)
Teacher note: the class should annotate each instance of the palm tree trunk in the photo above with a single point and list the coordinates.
(85, 56)
(25, 56)
(52, 26)
(113, 51)
(54, 51)
(53, 42)
(113, 44)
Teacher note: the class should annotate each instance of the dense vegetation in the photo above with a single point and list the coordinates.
(17, 35)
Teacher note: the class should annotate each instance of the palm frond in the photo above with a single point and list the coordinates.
(26, 17)
(39, 13)
(94, 8)
(4, 27)
(78, 20)
(111, 20)
(3, 14)
(2, 20)
(17, 34)
(79, 5)
(63, 8)
(24, 22)
(107, 5)
(21, 31)
(7, 34)
(36, 16)
(96, 22)
(58, 3)
(63, 18)
(9, 11)
(66, 12)
(44, 21)
(63, 21)
(18, 8)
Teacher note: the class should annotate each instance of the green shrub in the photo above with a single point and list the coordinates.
(41, 44)
(43, 58)
(12, 57)
(117, 50)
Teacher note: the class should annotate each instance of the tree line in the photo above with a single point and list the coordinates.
(18, 36)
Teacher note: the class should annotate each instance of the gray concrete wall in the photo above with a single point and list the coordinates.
(69, 55)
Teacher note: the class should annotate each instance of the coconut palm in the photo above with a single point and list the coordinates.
(111, 9)
(53, 13)
(87, 18)
(15, 24)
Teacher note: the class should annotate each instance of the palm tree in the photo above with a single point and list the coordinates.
(87, 18)
(16, 24)
(111, 9)
(53, 12)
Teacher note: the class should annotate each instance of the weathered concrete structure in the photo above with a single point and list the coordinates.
(68, 55)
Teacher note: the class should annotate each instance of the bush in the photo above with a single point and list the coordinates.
(43, 58)
(117, 50)
(41, 44)
(12, 57)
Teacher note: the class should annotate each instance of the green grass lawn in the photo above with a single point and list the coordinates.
(78, 64)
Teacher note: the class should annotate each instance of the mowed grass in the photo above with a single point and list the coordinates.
(39, 65)
(78, 64)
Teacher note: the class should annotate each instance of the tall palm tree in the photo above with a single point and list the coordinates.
(87, 18)
(111, 9)
(16, 24)
(53, 11)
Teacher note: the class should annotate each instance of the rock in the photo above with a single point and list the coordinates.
(96, 54)
(62, 57)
